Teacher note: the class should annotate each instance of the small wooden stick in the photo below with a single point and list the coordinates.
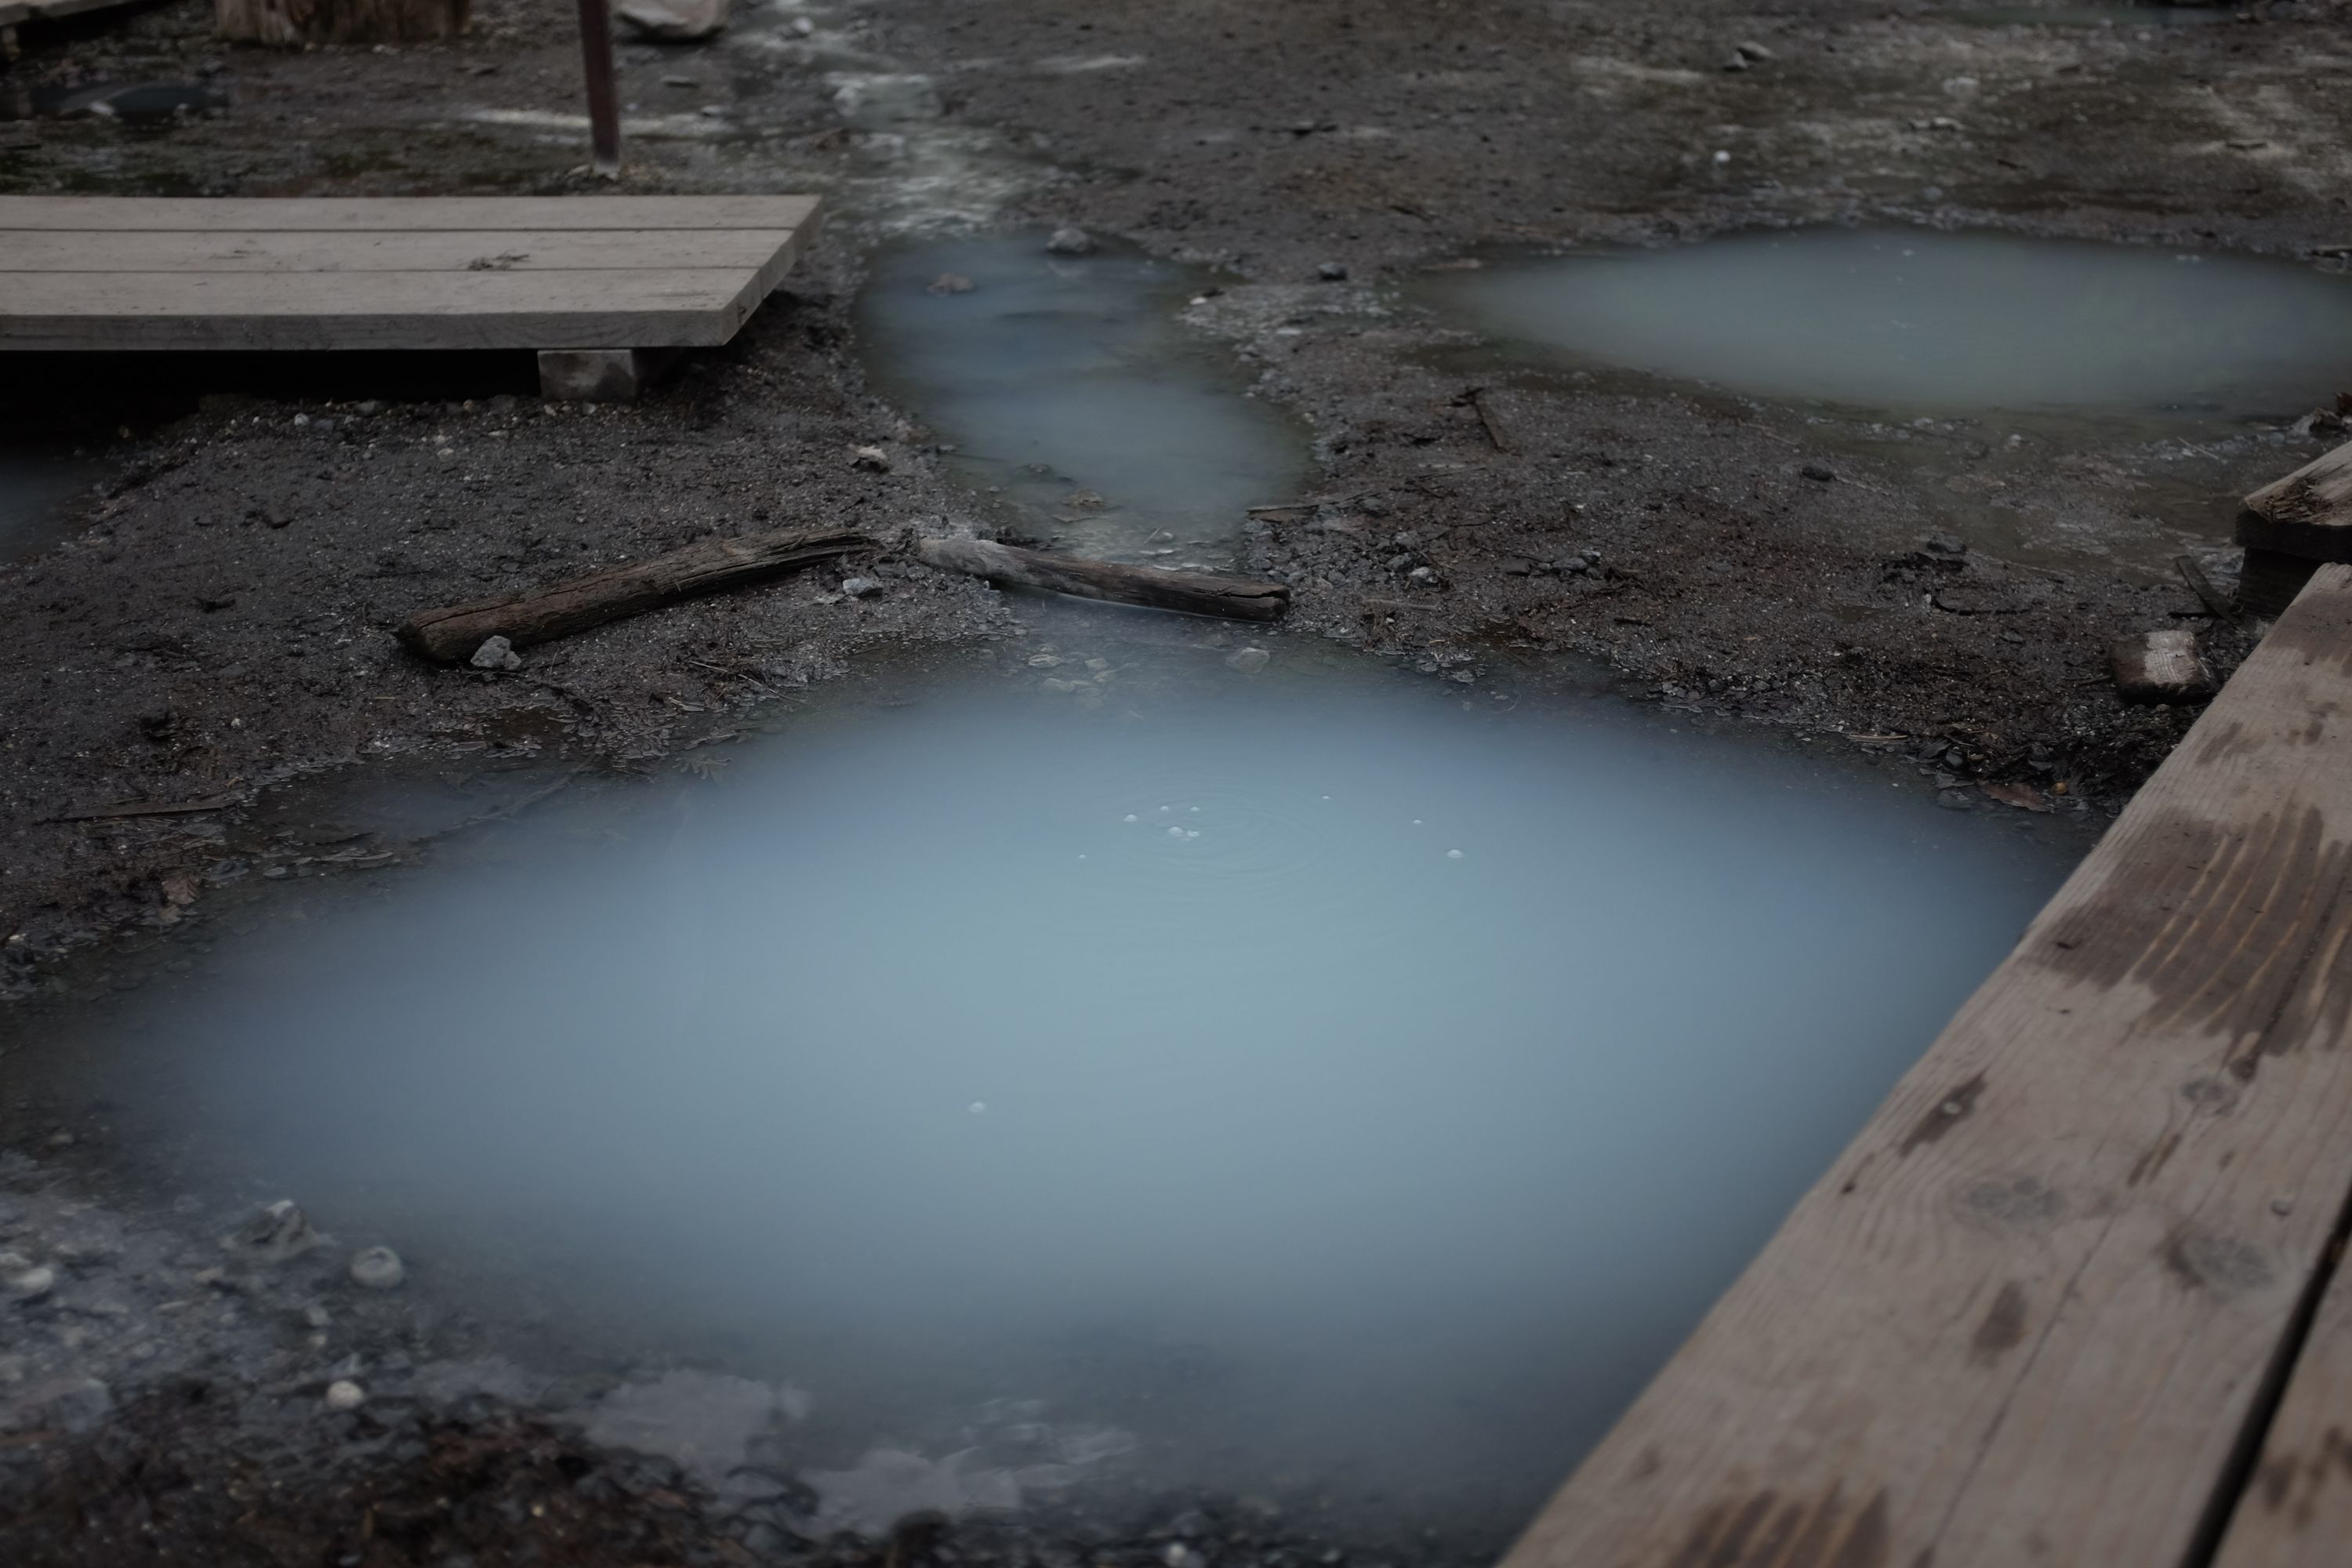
(2202, 586)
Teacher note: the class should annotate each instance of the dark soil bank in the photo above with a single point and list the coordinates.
(209, 625)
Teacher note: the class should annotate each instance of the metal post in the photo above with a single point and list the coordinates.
(604, 99)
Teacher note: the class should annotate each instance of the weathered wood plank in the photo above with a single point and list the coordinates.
(2297, 1513)
(619, 308)
(2026, 1317)
(405, 214)
(2308, 513)
(377, 250)
(454, 633)
(56, 10)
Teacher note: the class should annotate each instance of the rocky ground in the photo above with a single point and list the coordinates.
(210, 625)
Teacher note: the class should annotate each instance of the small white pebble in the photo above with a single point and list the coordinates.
(980, 1107)
(1175, 833)
(1416, 822)
(1193, 809)
(345, 1395)
(378, 1268)
(1129, 817)
(1454, 854)
(1165, 809)
(1195, 833)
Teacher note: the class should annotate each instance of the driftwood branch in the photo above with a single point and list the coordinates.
(560, 608)
(2217, 603)
(150, 808)
(1241, 599)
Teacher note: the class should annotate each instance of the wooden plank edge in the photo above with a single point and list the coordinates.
(1767, 1516)
(392, 214)
(2293, 1508)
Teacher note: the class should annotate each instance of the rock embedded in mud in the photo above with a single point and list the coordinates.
(2161, 666)
(860, 587)
(495, 653)
(869, 459)
(1332, 272)
(378, 1268)
(1070, 242)
(1248, 660)
(345, 1395)
(950, 283)
(278, 1232)
(29, 1284)
(73, 1404)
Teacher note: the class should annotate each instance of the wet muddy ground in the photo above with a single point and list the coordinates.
(205, 623)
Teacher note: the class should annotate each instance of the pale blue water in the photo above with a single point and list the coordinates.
(1321, 1083)
(1305, 1078)
(1915, 321)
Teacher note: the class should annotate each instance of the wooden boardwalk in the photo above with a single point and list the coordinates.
(606, 275)
(17, 13)
(2070, 1299)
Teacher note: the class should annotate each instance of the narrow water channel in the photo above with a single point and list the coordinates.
(1068, 388)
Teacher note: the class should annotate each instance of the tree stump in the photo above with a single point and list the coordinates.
(300, 22)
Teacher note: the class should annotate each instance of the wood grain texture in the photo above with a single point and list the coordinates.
(2308, 513)
(620, 308)
(452, 634)
(403, 213)
(387, 250)
(2026, 1317)
(83, 273)
(1243, 598)
(2297, 1512)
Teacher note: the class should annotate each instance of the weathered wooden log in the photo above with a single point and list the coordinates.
(2292, 525)
(453, 634)
(294, 23)
(1240, 598)
(2308, 513)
